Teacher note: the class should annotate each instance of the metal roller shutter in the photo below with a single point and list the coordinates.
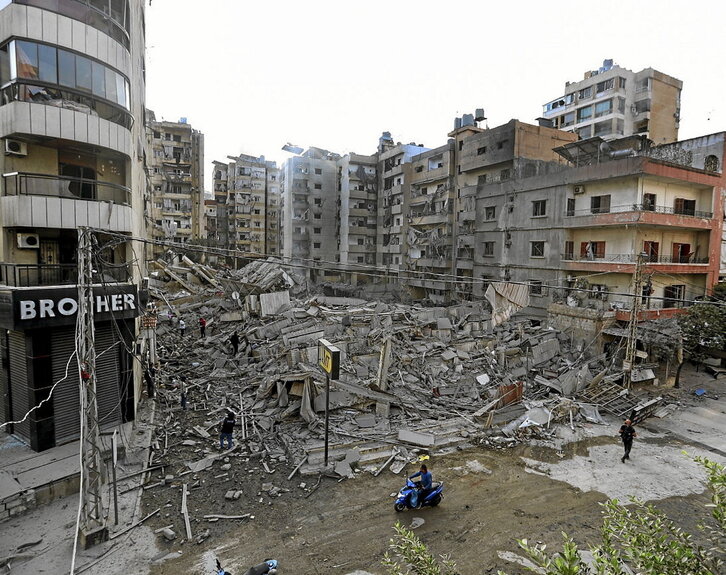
(4, 379)
(66, 400)
(19, 382)
(108, 353)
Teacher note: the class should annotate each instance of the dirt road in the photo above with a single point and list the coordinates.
(492, 497)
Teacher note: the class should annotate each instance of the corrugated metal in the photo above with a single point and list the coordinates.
(4, 366)
(108, 350)
(19, 382)
(66, 401)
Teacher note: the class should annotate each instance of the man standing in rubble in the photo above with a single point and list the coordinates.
(182, 327)
(234, 340)
(225, 430)
(627, 433)
(202, 326)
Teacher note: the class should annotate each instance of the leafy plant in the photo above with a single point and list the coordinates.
(412, 557)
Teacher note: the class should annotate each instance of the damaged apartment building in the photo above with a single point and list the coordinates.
(176, 176)
(246, 198)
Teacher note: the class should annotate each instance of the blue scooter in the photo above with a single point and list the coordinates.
(404, 499)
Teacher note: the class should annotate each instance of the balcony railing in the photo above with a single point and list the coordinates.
(640, 208)
(632, 258)
(18, 183)
(28, 275)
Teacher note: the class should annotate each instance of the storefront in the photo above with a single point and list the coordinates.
(37, 347)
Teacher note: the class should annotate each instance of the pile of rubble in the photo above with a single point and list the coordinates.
(412, 380)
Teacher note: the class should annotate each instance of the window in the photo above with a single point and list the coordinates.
(605, 85)
(505, 174)
(539, 208)
(360, 241)
(568, 119)
(673, 294)
(603, 108)
(501, 144)
(642, 106)
(317, 230)
(592, 250)
(419, 169)
(570, 207)
(599, 291)
(621, 83)
(360, 259)
(318, 171)
(536, 287)
(684, 207)
(490, 213)
(481, 180)
(481, 151)
(569, 250)
(603, 128)
(621, 105)
(316, 245)
(584, 114)
(424, 191)
(318, 201)
(600, 204)
(649, 202)
(318, 186)
(316, 216)
(651, 250)
(681, 253)
(488, 249)
(536, 249)
(585, 93)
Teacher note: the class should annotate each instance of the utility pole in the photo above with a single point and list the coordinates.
(633, 325)
(92, 528)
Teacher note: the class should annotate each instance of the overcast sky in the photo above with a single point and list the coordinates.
(253, 75)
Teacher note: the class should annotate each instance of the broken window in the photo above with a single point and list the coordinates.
(649, 202)
(585, 93)
(419, 169)
(505, 174)
(481, 151)
(539, 208)
(536, 287)
(490, 213)
(621, 82)
(570, 207)
(481, 180)
(592, 250)
(674, 294)
(604, 86)
(711, 163)
(318, 171)
(684, 207)
(600, 204)
(651, 250)
(537, 249)
(488, 249)
(569, 250)
(681, 253)
(568, 119)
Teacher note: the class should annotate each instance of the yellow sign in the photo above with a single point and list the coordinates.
(329, 358)
(326, 361)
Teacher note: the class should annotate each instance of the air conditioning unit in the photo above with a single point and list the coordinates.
(28, 241)
(15, 148)
(578, 190)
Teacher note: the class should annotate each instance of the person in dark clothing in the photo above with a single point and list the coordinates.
(424, 485)
(182, 327)
(627, 432)
(225, 430)
(234, 340)
(202, 326)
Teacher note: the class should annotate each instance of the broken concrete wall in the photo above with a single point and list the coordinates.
(583, 326)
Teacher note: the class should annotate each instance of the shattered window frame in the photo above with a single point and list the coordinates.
(539, 208)
(537, 249)
(536, 288)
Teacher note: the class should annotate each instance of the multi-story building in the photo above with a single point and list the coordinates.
(246, 190)
(578, 235)
(309, 207)
(72, 129)
(613, 102)
(358, 203)
(176, 174)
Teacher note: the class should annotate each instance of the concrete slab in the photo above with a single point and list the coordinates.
(416, 437)
(9, 487)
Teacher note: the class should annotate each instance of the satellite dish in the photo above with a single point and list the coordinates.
(235, 295)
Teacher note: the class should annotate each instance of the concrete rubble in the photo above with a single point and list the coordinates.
(413, 380)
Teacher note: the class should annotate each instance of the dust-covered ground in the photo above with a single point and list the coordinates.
(491, 499)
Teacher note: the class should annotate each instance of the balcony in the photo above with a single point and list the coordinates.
(50, 201)
(19, 183)
(632, 259)
(641, 213)
(30, 275)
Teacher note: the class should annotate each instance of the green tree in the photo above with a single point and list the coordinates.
(412, 555)
(703, 327)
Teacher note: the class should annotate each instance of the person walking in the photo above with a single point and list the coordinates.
(225, 430)
(234, 340)
(202, 326)
(627, 432)
(182, 327)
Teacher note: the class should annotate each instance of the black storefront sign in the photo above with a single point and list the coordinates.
(23, 309)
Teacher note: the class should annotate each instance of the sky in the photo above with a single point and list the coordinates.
(254, 75)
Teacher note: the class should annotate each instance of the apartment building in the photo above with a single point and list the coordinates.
(357, 213)
(612, 102)
(576, 236)
(246, 192)
(310, 212)
(72, 130)
(176, 175)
